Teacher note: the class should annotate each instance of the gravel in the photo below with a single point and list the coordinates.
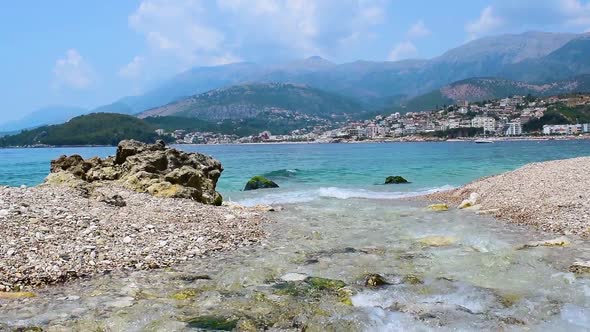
(553, 196)
(52, 234)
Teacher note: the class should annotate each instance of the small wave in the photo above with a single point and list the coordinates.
(284, 173)
(303, 196)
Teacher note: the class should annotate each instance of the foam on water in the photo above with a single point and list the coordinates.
(271, 197)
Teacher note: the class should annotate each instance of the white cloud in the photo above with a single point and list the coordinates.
(179, 29)
(72, 71)
(199, 32)
(133, 69)
(487, 22)
(418, 30)
(576, 12)
(402, 50)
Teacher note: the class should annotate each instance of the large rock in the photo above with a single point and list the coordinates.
(260, 182)
(149, 168)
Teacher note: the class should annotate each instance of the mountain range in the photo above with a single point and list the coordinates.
(249, 100)
(508, 61)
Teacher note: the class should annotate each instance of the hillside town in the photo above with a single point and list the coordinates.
(502, 119)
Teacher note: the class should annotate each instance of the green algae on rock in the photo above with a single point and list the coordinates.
(260, 182)
(396, 179)
(439, 207)
(214, 323)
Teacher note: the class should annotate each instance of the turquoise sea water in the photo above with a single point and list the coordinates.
(335, 170)
(342, 224)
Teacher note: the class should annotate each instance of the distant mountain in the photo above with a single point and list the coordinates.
(91, 129)
(248, 100)
(376, 83)
(44, 116)
(571, 59)
(478, 89)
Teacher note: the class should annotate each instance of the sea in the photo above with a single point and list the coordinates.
(446, 271)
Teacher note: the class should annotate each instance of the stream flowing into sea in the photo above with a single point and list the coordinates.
(450, 271)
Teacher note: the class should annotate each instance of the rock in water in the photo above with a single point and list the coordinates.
(438, 207)
(260, 182)
(150, 168)
(395, 180)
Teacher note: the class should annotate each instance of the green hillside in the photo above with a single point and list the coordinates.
(560, 114)
(91, 129)
(249, 100)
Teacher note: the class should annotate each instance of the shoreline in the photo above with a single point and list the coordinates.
(407, 139)
(56, 233)
(551, 196)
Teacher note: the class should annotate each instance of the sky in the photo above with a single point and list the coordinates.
(90, 53)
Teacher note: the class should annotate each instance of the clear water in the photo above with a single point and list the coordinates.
(338, 222)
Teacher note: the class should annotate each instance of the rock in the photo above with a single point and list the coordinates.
(260, 182)
(15, 295)
(3, 213)
(294, 277)
(185, 294)
(115, 200)
(437, 241)
(469, 202)
(127, 239)
(395, 180)
(213, 323)
(412, 280)
(561, 241)
(149, 168)
(325, 283)
(580, 267)
(438, 207)
(375, 280)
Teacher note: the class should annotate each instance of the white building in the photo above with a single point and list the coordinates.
(563, 129)
(486, 122)
(513, 129)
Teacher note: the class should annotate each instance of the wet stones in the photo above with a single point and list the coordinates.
(580, 267)
(374, 280)
(439, 207)
(561, 241)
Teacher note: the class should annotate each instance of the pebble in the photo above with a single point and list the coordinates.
(64, 233)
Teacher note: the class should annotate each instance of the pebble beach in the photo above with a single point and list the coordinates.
(552, 196)
(52, 234)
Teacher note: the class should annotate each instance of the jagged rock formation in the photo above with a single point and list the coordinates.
(150, 168)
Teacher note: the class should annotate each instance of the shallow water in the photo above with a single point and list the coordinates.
(476, 281)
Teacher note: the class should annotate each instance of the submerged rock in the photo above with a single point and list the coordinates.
(213, 323)
(396, 179)
(260, 182)
(561, 241)
(16, 295)
(437, 241)
(147, 168)
(294, 277)
(580, 267)
(375, 280)
(438, 207)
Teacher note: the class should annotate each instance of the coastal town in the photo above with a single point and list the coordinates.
(514, 117)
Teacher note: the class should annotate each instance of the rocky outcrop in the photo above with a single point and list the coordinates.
(395, 180)
(260, 182)
(149, 168)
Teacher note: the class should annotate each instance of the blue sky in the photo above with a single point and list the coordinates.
(88, 53)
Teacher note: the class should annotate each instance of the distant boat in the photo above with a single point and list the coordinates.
(483, 141)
